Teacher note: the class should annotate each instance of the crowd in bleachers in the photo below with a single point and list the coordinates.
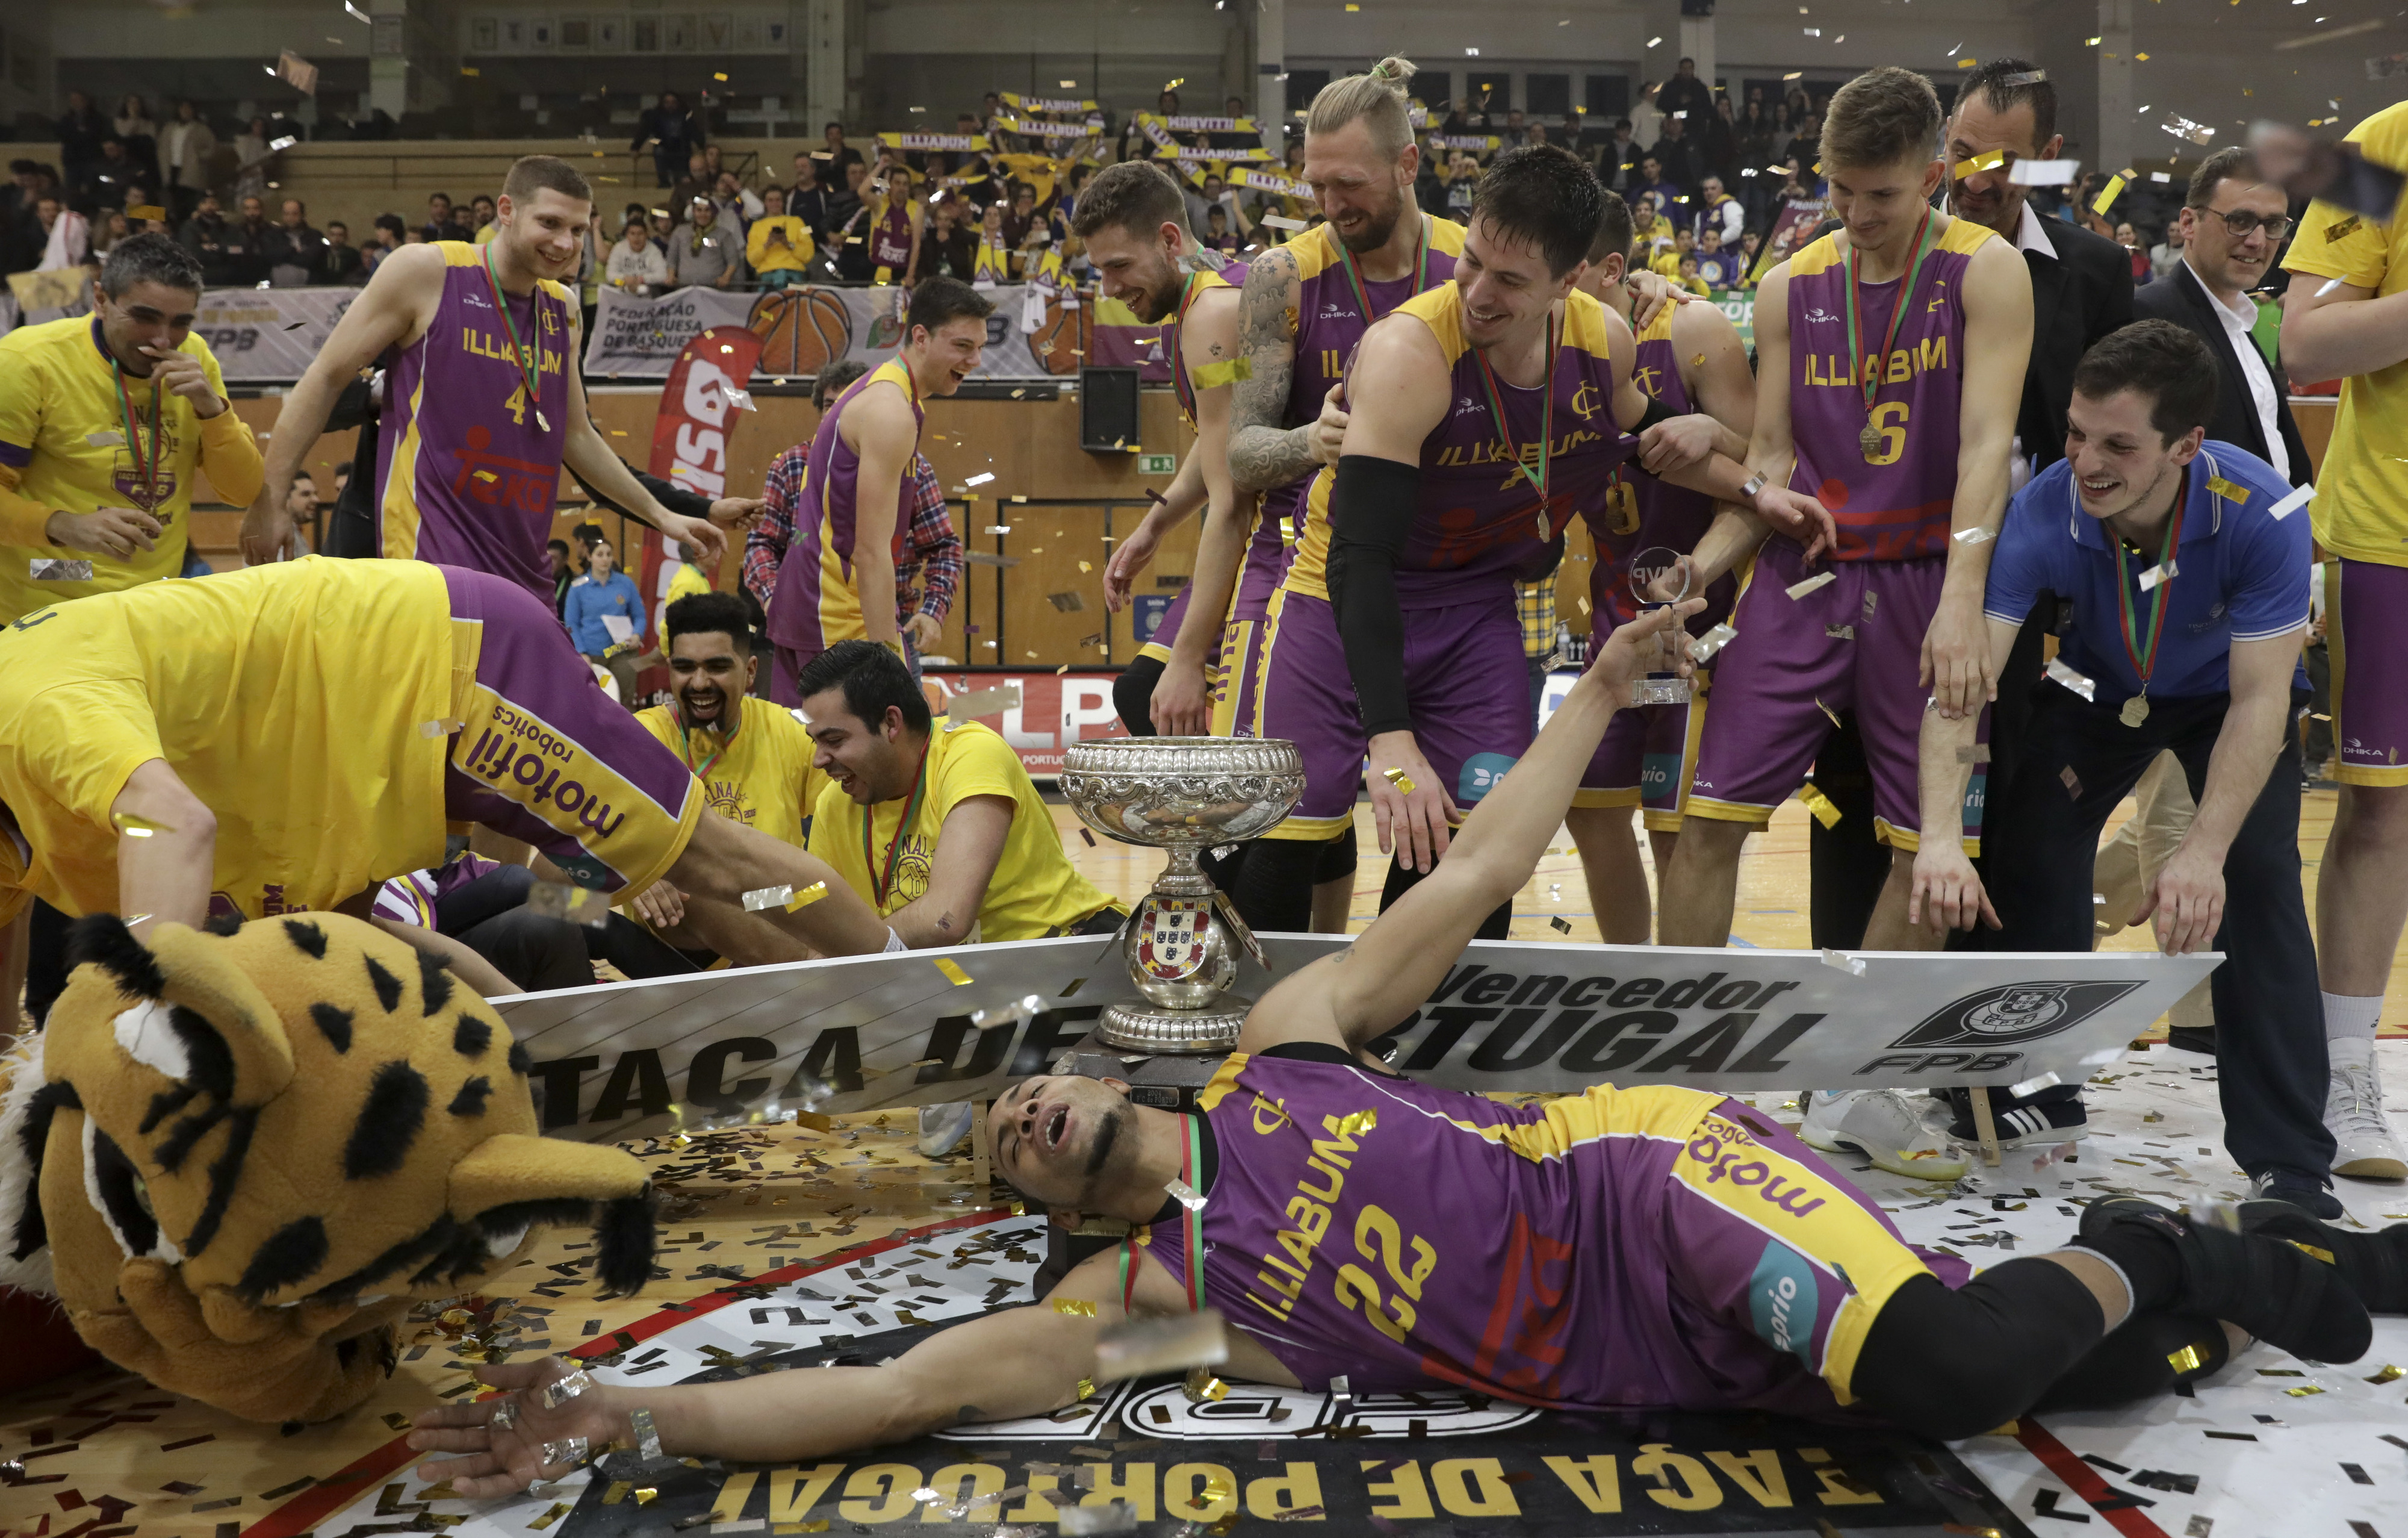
(1720, 189)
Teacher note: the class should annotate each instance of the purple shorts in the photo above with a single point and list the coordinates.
(1467, 722)
(1647, 760)
(1167, 633)
(1236, 688)
(543, 756)
(1267, 557)
(2366, 636)
(1854, 644)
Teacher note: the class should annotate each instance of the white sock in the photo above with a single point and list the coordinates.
(2347, 1017)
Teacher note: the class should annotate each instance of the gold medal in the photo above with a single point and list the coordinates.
(1870, 441)
(2136, 710)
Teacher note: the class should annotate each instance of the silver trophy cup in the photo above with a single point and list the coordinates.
(1183, 795)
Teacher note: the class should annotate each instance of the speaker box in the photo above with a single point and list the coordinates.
(1107, 410)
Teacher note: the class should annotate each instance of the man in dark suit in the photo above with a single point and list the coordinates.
(2082, 291)
(2232, 224)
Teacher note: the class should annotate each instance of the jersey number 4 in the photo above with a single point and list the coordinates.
(517, 406)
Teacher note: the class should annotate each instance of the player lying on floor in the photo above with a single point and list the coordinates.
(1659, 1246)
(288, 737)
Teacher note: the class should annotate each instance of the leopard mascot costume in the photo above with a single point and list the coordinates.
(236, 1160)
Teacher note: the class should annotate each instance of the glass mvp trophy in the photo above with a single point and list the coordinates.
(1661, 576)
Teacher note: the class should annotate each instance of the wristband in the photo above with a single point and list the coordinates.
(1753, 485)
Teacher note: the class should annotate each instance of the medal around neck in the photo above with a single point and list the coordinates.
(1659, 576)
(1183, 795)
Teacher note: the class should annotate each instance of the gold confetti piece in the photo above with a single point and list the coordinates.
(720, 78)
(2324, 1255)
(2185, 1361)
(2303, 1391)
(559, 1508)
(1827, 710)
(952, 971)
(1697, 362)
(2388, 1375)
(487, 475)
(136, 827)
(1355, 1123)
(1820, 805)
(1086, 1388)
(438, 728)
(1976, 164)
(470, 70)
(1398, 778)
(2226, 489)
(1085, 565)
(1562, 926)
(2107, 194)
(1213, 376)
(807, 895)
(1079, 1306)
(1813, 584)
(617, 1492)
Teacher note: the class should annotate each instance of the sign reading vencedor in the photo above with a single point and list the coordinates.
(896, 1031)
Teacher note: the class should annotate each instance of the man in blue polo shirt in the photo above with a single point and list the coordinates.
(2189, 597)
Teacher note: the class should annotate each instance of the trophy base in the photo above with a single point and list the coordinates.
(1147, 1028)
(1659, 689)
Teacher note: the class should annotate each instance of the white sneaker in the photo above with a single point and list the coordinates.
(942, 1126)
(1885, 1126)
(2364, 1143)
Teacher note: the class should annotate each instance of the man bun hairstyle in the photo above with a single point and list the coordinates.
(148, 258)
(1136, 195)
(1376, 98)
(2006, 84)
(1881, 117)
(529, 173)
(711, 614)
(1546, 196)
(940, 300)
(873, 680)
(1615, 229)
(2160, 360)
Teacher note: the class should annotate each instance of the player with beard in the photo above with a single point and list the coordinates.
(1306, 304)
(1690, 357)
(1134, 220)
(484, 401)
(1643, 1248)
(1486, 414)
(752, 758)
(836, 581)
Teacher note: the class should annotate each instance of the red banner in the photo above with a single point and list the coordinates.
(690, 435)
(1053, 709)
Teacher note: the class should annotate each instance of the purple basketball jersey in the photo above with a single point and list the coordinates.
(1642, 512)
(814, 605)
(469, 467)
(1896, 505)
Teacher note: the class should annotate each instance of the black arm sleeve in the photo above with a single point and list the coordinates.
(1371, 510)
(1656, 412)
(675, 498)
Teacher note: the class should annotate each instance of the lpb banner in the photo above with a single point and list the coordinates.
(804, 329)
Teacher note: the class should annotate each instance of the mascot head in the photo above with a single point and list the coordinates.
(284, 1133)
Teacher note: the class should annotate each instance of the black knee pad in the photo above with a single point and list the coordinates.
(1133, 696)
(2148, 1355)
(1402, 878)
(1337, 861)
(1955, 1363)
(1273, 891)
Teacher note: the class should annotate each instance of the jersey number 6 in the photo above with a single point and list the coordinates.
(1889, 420)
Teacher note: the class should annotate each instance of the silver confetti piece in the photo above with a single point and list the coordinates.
(1136, 1347)
(648, 1437)
(1115, 1517)
(560, 1390)
(767, 896)
(60, 571)
(1853, 964)
(578, 904)
(1702, 648)
(505, 1416)
(444, 727)
(2157, 574)
(2034, 1085)
(567, 1449)
(1185, 1195)
(2077, 681)
(1813, 584)
(2299, 497)
(1977, 535)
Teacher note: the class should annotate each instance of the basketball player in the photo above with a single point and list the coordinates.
(1651, 1248)
(484, 401)
(287, 737)
(1909, 448)
(1306, 306)
(1484, 415)
(1691, 359)
(848, 522)
(1134, 220)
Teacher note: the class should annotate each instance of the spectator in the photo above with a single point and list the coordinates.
(893, 227)
(250, 153)
(481, 214)
(1677, 155)
(207, 237)
(845, 241)
(1462, 180)
(738, 202)
(440, 224)
(113, 229)
(387, 236)
(1716, 266)
(1719, 211)
(1217, 234)
(1685, 93)
(1514, 128)
(809, 201)
(672, 132)
(1718, 143)
(2130, 240)
(778, 246)
(114, 180)
(605, 616)
(1652, 185)
(66, 234)
(185, 151)
(1535, 133)
(255, 240)
(293, 250)
(1649, 228)
(1750, 245)
(1668, 260)
(1687, 277)
(1646, 117)
(991, 263)
(710, 156)
(1617, 161)
(839, 154)
(705, 250)
(2168, 251)
(339, 262)
(80, 129)
(949, 249)
(1019, 211)
(1805, 144)
(637, 265)
(563, 571)
(133, 125)
(697, 182)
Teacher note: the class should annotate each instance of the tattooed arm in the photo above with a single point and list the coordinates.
(1264, 453)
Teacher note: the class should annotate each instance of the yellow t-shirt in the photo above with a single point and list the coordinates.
(1035, 891)
(2360, 510)
(64, 449)
(290, 698)
(761, 777)
(1668, 262)
(788, 254)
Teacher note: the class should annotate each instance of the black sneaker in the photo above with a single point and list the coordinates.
(2038, 1121)
(2286, 1298)
(2309, 1194)
(2376, 1265)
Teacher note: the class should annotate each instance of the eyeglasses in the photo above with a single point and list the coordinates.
(2241, 222)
